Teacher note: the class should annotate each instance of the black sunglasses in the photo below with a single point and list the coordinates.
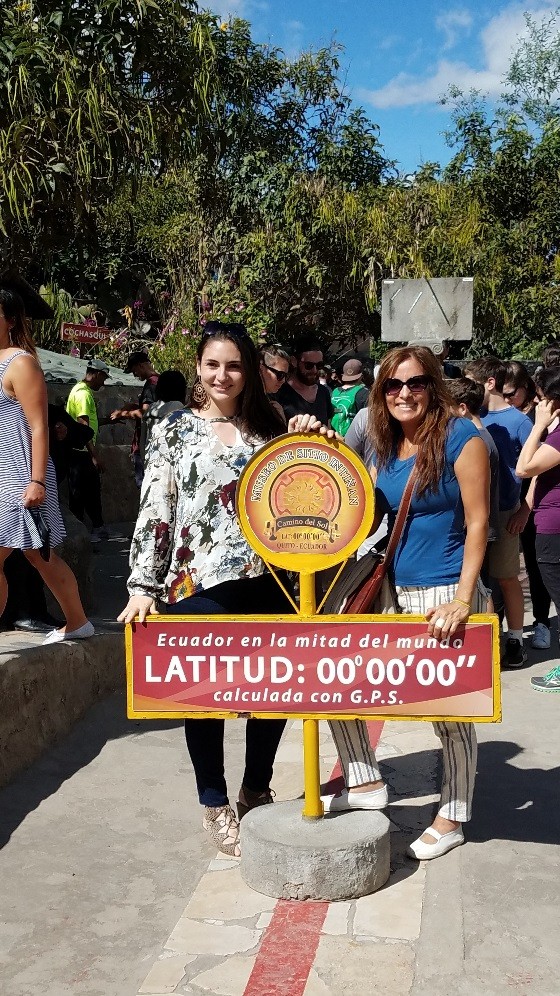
(416, 385)
(234, 329)
(510, 394)
(279, 374)
(309, 365)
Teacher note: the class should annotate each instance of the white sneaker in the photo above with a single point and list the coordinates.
(541, 637)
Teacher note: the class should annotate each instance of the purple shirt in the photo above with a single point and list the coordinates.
(547, 493)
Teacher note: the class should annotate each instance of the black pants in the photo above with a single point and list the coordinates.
(548, 560)
(205, 737)
(84, 489)
(540, 597)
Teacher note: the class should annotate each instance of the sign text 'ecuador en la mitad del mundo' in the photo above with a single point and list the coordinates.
(351, 666)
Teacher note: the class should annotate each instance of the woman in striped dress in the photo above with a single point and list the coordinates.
(27, 476)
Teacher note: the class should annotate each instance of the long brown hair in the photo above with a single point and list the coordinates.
(14, 310)
(385, 431)
(257, 417)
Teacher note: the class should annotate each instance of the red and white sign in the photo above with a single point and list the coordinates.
(84, 333)
(336, 667)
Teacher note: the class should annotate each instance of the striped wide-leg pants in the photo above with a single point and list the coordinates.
(458, 740)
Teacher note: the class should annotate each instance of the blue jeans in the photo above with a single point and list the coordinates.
(205, 737)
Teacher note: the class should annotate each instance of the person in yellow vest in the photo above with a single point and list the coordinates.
(84, 482)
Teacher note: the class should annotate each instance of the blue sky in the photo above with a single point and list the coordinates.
(399, 59)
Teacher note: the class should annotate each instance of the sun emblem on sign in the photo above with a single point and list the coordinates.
(305, 495)
(309, 491)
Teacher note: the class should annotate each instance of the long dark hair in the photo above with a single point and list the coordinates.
(386, 432)
(257, 417)
(14, 310)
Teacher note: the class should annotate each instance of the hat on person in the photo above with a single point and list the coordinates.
(139, 356)
(351, 371)
(99, 365)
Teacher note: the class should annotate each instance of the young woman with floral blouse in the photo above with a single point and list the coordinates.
(188, 551)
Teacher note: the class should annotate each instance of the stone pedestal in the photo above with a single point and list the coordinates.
(343, 856)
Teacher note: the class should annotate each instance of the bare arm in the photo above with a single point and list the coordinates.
(28, 385)
(472, 468)
(536, 457)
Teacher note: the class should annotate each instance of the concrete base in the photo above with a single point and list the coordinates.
(343, 856)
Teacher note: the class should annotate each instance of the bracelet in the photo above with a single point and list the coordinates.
(462, 601)
(42, 483)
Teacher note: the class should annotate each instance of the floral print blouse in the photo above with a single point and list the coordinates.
(187, 536)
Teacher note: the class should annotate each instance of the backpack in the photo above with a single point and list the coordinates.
(344, 404)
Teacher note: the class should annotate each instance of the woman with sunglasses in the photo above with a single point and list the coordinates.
(436, 565)
(274, 367)
(519, 388)
(188, 552)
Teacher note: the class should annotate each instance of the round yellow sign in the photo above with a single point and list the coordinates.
(304, 502)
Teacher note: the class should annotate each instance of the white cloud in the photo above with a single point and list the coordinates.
(453, 24)
(498, 40)
(389, 42)
(292, 42)
(245, 9)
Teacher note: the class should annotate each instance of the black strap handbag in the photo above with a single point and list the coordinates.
(360, 581)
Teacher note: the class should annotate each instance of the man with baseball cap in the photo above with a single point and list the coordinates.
(350, 397)
(84, 482)
(140, 365)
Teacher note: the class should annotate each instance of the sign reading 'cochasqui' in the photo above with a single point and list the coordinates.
(305, 503)
(347, 667)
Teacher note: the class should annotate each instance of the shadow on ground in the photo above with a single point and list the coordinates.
(105, 721)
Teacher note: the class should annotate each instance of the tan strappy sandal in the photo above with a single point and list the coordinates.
(223, 826)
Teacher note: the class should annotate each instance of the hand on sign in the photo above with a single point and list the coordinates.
(138, 606)
(444, 620)
(309, 423)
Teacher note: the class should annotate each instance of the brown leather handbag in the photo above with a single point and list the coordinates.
(360, 582)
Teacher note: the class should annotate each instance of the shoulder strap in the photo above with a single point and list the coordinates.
(402, 514)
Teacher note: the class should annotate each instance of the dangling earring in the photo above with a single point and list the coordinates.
(200, 397)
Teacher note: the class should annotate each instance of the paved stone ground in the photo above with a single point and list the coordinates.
(110, 888)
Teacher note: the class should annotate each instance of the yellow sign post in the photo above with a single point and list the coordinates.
(306, 503)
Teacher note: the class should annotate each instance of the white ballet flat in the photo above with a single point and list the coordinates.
(60, 636)
(444, 842)
(377, 799)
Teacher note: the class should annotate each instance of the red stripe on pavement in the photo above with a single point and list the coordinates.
(288, 949)
(290, 941)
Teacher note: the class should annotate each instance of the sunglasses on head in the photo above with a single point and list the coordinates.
(416, 385)
(279, 374)
(309, 365)
(235, 329)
